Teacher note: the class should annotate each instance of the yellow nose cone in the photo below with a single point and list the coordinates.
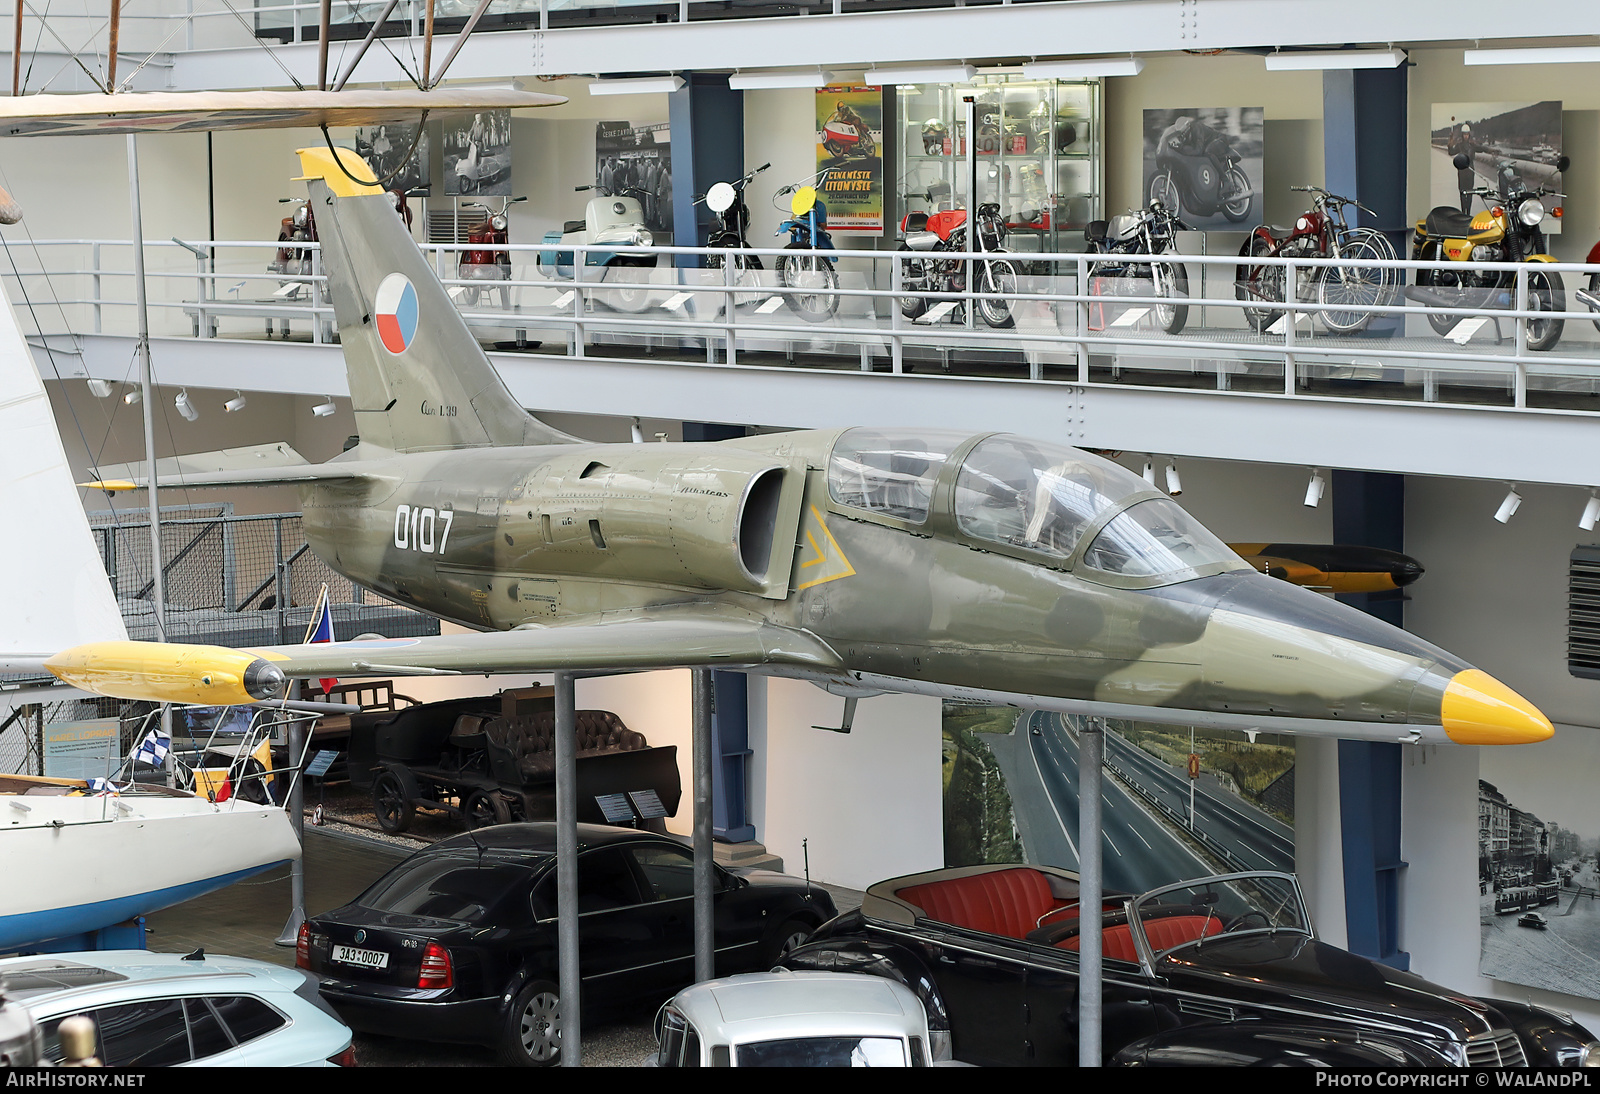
(1480, 710)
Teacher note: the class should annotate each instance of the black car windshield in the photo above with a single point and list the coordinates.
(1194, 912)
(444, 887)
(824, 1052)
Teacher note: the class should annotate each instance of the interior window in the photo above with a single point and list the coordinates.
(247, 1017)
(206, 1032)
(1156, 539)
(672, 1029)
(890, 473)
(1039, 496)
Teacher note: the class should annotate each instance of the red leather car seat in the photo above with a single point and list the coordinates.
(1007, 902)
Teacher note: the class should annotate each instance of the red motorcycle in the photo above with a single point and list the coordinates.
(485, 260)
(1322, 232)
(927, 234)
(1590, 294)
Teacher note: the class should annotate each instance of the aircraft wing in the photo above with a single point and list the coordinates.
(195, 111)
(255, 465)
(216, 675)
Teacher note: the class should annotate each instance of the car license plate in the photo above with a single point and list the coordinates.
(367, 959)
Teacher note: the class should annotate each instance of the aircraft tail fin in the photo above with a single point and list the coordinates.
(419, 381)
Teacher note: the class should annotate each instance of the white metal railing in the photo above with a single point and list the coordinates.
(1060, 316)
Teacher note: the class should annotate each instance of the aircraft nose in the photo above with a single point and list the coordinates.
(1406, 572)
(1477, 709)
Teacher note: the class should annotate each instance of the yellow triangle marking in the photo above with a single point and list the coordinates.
(829, 555)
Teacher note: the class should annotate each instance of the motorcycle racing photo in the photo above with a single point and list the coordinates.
(1205, 164)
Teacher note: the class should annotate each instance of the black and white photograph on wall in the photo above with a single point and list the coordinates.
(637, 158)
(1011, 795)
(1206, 164)
(1506, 145)
(385, 149)
(1538, 886)
(477, 155)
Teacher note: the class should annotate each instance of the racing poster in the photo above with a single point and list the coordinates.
(849, 157)
(1205, 163)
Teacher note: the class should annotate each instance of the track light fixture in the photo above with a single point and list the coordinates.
(1149, 472)
(1591, 512)
(1508, 507)
(186, 406)
(132, 397)
(1174, 484)
(100, 389)
(1315, 488)
(324, 408)
(235, 404)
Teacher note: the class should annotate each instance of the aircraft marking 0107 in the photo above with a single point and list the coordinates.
(415, 528)
(396, 310)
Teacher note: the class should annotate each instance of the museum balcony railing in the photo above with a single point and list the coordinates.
(1348, 329)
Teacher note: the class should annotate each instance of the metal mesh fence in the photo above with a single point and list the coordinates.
(237, 580)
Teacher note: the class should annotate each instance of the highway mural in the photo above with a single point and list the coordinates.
(1011, 794)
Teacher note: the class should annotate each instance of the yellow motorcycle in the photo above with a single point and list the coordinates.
(1507, 231)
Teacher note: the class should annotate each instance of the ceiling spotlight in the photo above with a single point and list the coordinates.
(1508, 507)
(235, 404)
(1174, 484)
(100, 389)
(1315, 488)
(1149, 472)
(185, 406)
(132, 397)
(1591, 513)
(324, 408)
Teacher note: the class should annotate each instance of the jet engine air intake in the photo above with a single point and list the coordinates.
(758, 522)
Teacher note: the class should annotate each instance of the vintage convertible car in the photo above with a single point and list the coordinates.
(1220, 970)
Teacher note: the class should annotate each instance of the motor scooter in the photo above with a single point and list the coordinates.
(806, 270)
(1189, 181)
(611, 217)
(485, 261)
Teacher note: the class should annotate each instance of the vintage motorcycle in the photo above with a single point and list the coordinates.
(803, 267)
(299, 227)
(1323, 231)
(1507, 231)
(842, 139)
(928, 234)
(1189, 182)
(1590, 295)
(486, 260)
(1149, 231)
(726, 200)
(614, 217)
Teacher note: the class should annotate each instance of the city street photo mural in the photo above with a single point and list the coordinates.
(1011, 795)
(1538, 890)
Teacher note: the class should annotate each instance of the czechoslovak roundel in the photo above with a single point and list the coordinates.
(396, 310)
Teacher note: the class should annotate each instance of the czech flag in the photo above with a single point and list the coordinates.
(320, 629)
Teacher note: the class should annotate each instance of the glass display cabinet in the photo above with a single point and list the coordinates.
(1038, 151)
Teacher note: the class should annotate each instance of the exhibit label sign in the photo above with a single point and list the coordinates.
(849, 157)
(90, 749)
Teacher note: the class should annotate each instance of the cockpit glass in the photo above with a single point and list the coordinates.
(1039, 496)
(1156, 539)
(890, 472)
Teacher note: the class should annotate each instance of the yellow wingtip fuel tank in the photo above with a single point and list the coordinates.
(161, 672)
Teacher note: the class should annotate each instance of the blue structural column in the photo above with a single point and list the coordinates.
(1369, 510)
(1364, 153)
(707, 120)
(730, 716)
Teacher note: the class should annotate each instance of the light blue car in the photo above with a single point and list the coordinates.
(164, 1009)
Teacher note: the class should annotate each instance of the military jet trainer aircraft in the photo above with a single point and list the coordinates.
(982, 567)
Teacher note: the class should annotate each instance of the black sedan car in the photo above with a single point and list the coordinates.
(1221, 970)
(458, 942)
